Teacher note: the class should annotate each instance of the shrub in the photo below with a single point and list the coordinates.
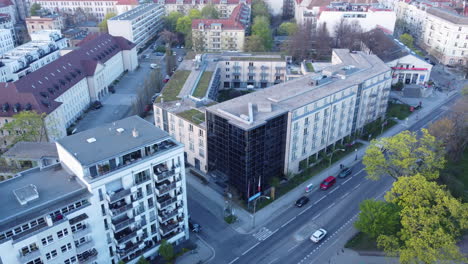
(230, 219)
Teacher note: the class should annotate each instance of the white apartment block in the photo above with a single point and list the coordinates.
(368, 14)
(7, 23)
(224, 7)
(446, 36)
(8, 7)
(6, 41)
(98, 206)
(138, 25)
(222, 34)
(43, 48)
(98, 8)
(411, 18)
(64, 88)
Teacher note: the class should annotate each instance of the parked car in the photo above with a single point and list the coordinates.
(328, 183)
(159, 53)
(318, 235)
(174, 53)
(194, 227)
(111, 89)
(166, 80)
(153, 65)
(180, 59)
(345, 173)
(97, 105)
(302, 201)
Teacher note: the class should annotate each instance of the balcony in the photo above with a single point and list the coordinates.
(29, 256)
(236, 73)
(83, 247)
(165, 216)
(118, 195)
(122, 223)
(87, 256)
(125, 235)
(251, 67)
(84, 230)
(251, 73)
(166, 229)
(165, 187)
(161, 173)
(165, 201)
(119, 208)
(236, 67)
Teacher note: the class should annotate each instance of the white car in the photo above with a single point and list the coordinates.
(180, 59)
(318, 235)
(153, 65)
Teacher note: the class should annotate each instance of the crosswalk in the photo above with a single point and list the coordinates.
(263, 234)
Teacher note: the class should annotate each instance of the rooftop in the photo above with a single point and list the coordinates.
(137, 11)
(448, 15)
(52, 184)
(239, 19)
(282, 98)
(174, 86)
(190, 2)
(110, 140)
(32, 151)
(383, 45)
(193, 115)
(202, 86)
(258, 58)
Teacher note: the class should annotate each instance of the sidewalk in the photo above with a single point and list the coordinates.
(202, 254)
(244, 223)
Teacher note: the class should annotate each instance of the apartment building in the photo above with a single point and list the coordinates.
(43, 48)
(6, 41)
(8, 7)
(48, 22)
(7, 23)
(264, 134)
(138, 25)
(222, 34)
(64, 88)
(446, 36)
(98, 206)
(369, 14)
(98, 8)
(224, 7)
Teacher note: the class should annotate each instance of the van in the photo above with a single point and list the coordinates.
(309, 188)
(328, 183)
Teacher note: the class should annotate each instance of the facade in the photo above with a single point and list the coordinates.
(98, 8)
(138, 25)
(43, 48)
(368, 14)
(49, 22)
(446, 36)
(264, 134)
(26, 155)
(411, 18)
(8, 7)
(222, 34)
(7, 23)
(224, 7)
(64, 88)
(6, 41)
(98, 207)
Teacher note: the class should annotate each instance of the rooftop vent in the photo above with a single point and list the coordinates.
(91, 140)
(120, 130)
(26, 194)
(135, 133)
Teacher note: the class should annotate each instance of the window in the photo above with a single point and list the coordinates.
(202, 153)
(101, 197)
(103, 209)
(200, 133)
(106, 226)
(36, 261)
(191, 128)
(51, 255)
(70, 260)
(66, 247)
(28, 249)
(200, 142)
(150, 202)
(62, 233)
(47, 240)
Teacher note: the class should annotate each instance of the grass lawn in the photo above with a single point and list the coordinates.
(202, 85)
(193, 115)
(173, 87)
(228, 94)
(362, 241)
(375, 128)
(400, 111)
(309, 66)
(455, 176)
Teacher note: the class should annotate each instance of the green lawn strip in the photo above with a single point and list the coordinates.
(173, 87)
(202, 86)
(193, 115)
(400, 111)
(362, 241)
(309, 66)
(374, 128)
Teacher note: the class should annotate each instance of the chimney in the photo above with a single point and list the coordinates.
(135, 133)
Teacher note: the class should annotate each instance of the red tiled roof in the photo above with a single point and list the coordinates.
(233, 22)
(40, 88)
(4, 3)
(127, 2)
(89, 37)
(197, 2)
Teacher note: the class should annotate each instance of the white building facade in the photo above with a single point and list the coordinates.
(224, 7)
(6, 41)
(138, 25)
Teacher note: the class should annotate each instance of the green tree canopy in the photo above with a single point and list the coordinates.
(194, 14)
(432, 221)
(408, 40)
(27, 126)
(166, 250)
(405, 154)
(287, 29)
(142, 260)
(103, 25)
(254, 43)
(378, 218)
(260, 8)
(210, 12)
(170, 21)
(261, 28)
(184, 25)
(35, 8)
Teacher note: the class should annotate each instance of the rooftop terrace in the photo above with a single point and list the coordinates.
(174, 86)
(193, 115)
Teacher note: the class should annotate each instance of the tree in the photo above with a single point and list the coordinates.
(443, 129)
(431, 221)
(170, 21)
(348, 35)
(261, 28)
(103, 25)
(194, 14)
(121, 262)
(287, 29)
(166, 250)
(254, 43)
(322, 42)
(260, 8)
(210, 12)
(378, 218)
(35, 8)
(199, 42)
(168, 37)
(184, 25)
(408, 40)
(142, 260)
(299, 45)
(27, 126)
(404, 154)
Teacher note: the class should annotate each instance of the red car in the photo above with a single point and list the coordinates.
(327, 183)
(166, 80)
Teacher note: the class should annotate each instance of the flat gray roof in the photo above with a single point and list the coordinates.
(285, 97)
(110, 140)
(53, 185)
(449, 15)
(32, 151)
(136, 12)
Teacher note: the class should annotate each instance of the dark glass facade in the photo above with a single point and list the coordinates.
(247, 156)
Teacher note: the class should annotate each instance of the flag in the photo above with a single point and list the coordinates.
(259, 183)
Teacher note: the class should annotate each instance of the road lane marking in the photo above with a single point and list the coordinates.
(274, 231)
(316, 202)
(273, 261)
(247, 251)
(308, 208)
(315, 217)
(357, 186)
(290, 220)
(293, 247)
(358, 172)
(303, 211)
(234, 260)
(346, 181)
(346, 194)
(330, 206)
(333, 190)
(263, 234)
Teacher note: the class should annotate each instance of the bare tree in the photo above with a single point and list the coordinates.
(168, 36)
(322, 42)
(348, 35)
(299, 45)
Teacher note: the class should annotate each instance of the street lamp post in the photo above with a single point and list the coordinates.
(331, 156)
(255, 206)
(355, 151)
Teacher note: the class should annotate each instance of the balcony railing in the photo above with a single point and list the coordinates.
(88, 256)
(113, 197)
(122, 223)
(119, 210)
(165, 229)
(126, 237)
(86, 246)
(164, 217)
(163, 203)
(29, 256)
(162, 189)
(84, 230)
(161, 176)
